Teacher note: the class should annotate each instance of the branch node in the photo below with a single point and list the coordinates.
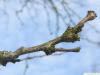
(49, 50)
(70, 35)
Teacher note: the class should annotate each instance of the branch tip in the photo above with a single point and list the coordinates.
(91, 15)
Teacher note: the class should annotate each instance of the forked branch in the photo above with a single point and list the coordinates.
(70, 35)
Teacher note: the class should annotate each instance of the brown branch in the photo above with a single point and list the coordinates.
(70, 35)
(68, 50)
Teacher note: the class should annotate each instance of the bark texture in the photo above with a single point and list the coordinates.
(70, 35)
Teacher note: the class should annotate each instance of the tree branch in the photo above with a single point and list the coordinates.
(70, 35)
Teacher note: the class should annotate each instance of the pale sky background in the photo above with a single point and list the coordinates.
(13, 35)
